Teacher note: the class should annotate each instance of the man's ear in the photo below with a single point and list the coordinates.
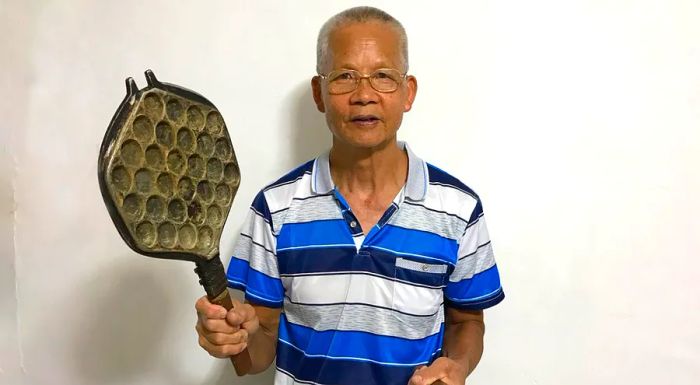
(318, 96)
(411, 90)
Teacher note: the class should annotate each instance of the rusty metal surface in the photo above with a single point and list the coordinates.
(168, 171)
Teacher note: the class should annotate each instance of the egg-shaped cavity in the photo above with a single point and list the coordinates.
(167, 235)
(215, 123)
(153, 106)
(205, 191)
(120, 178)
(206, 237)
(164, 134)
(185, 140)
(146, 233)
(177, 210)
(185, 188)
(143, 129)
(155, 208)
(131, 153)
(143, 180)
(222, 149)
(195, 212)
(195, 118)
(231, 173)
(195, 166)
(214, 216)
(166, 184)
(187, 237)
(175, 111)
(155, 157)
(176, 162)
(132, 207)
(223, 194)
(205, 145)
(215, 170)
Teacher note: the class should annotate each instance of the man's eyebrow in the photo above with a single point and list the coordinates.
(377, 65)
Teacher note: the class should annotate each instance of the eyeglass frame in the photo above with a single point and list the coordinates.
(366, 76)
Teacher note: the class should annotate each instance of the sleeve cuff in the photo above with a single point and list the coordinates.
(485, 302)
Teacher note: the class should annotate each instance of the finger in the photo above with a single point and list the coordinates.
(221, 339)
(240, 314)
(251, 321)
(428, 375)
(217, 326)
(221, 351)
(209, 310)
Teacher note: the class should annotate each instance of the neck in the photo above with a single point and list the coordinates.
(368, 171)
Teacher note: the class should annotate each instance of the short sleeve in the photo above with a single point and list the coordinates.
(474, 284)
(253, 266)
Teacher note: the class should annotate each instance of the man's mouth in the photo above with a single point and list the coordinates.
(364, 119)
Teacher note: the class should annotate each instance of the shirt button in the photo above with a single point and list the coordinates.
(353, 224)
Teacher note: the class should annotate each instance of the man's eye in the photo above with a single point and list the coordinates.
(382, 75)
(344, 76)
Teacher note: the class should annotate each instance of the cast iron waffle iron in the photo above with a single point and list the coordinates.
(168, 175)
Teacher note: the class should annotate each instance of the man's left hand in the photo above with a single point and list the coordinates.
(443, 371)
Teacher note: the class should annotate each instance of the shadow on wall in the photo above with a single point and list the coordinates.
(309, 136)
(307, 127)
(122, 338)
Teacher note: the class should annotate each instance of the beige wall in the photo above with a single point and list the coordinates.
(578, 122)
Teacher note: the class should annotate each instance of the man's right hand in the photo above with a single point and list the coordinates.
(223, 334)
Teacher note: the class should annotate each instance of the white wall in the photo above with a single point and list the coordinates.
(578, 122)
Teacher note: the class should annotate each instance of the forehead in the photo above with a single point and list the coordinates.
(371, 44)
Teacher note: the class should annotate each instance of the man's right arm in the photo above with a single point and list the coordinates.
(223, 334)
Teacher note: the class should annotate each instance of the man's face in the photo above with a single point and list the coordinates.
(364, 118)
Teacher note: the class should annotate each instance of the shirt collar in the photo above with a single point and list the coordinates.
(416, 183)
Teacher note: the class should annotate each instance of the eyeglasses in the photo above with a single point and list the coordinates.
(343, 81)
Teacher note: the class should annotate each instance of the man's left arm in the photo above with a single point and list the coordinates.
(462, 348)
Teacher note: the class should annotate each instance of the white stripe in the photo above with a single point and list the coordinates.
(315, 246)
(366, 289)
(475, 236)
(481, 261)
(280, 197)
(283, 378)
(448, 199)
(256, 227)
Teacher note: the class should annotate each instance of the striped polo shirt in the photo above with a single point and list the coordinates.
(363, 308)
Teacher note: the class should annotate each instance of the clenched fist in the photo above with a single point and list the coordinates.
(223, 334)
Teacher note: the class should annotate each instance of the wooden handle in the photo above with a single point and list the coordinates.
(241, 361)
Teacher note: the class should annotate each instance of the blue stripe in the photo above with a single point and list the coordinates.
(332, 232)
(317, 260)
(476, 213)
(360, 346)
(259, 288)
(437, 175)
(339, 372)
(416, 243)
(260, 206)
(347, 260)
(476, 288)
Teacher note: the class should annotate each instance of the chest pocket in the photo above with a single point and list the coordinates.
(421, 273)
(418, 286)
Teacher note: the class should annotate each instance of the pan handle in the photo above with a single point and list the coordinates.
(213, 278)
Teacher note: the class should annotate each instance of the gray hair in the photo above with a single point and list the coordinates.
(358, 15)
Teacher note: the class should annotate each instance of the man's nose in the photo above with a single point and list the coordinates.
(364, 93)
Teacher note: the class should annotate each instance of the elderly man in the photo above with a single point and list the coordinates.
(366, 265)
